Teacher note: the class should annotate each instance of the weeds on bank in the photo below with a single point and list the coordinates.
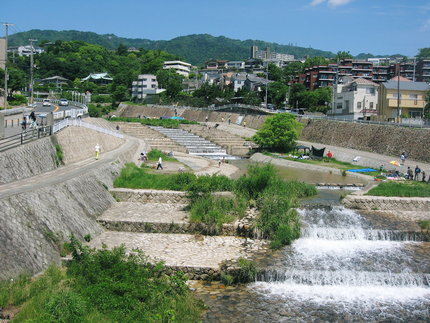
(166, 123)
(403, 189)
(154, 154)
(59, 155)
(261, 187)
(102, 286)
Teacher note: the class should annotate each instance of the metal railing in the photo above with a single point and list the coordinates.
(79, 123)
(25, 137)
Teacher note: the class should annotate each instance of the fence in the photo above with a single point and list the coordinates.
(79, 123)
(24, 137)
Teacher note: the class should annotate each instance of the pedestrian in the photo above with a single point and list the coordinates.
(97, 149)
(424, 176)
(207, 118)
(402, 158)
(417, 173)
(222, 119)
(410, 173)
(329, 155)
(244, 124)
(229, 120)
(24, 123)
(219, 163)
(160, 163)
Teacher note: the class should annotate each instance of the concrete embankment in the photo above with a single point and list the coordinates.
(36, 218)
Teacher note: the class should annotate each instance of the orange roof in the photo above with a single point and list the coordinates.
(402, 79)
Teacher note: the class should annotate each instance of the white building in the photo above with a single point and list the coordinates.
(357, 99)
(145, 84)
(180, 67)
(238, 81)
(26, 50)
(236, 65)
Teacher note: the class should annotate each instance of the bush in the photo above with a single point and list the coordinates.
(66, 306)
(256, 181)
(247, 271)
(59, 155)
(154, 154)
(18, 99)
(166, 123)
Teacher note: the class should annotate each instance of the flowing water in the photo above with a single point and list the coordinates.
(340, 270)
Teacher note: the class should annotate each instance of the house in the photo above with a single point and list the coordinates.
(180, 67)
(401, 96)
(145, 85)
(57, 80)
(216, 64)
(26, 50)
(255, 83)
(98, 78)
(357, 99)
(237, 81)
(239, 65)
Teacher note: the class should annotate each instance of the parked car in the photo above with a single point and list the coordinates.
(64, 102)
(46, 102)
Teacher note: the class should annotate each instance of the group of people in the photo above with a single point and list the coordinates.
(416, 175)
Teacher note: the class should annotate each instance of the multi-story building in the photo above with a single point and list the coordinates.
(26, 50)
(216, 64)
(356, 99)
(401, 96)
(182, 68)
(267, 54)
(146, 84)
(237, 81)
(423, 70)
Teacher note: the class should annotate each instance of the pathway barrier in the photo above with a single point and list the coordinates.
(24, 137)
(79, 123)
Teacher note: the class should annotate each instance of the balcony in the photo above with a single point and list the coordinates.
(407, 103)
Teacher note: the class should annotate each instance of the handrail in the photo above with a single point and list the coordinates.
(79, 123)
(24, 137)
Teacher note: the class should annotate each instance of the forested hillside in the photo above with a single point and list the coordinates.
(195, 49)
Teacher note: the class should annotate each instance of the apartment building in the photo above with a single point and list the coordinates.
(356, 99)
(401, 96)
(182, 68)
(423, 70)
(145, 85)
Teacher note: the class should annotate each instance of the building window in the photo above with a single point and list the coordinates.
(358, 105)
(154, 80)
(370, 90)
(339, 106)
(371, 105)
(144, 86)
(153, 86)
(413, 96)
(145, 79)
(397, 95)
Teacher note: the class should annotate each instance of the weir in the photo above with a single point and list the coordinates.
(342, 263)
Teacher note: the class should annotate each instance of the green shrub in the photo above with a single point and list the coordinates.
(66, 306)
(227, 279)
(256, 181)
(166, 123)
(401, 189)
(59, 155)
(87, 237)
(154, 154)
(247, 272)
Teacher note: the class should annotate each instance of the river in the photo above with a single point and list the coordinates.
(345, 267)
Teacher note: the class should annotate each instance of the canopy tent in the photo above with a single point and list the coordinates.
(304, 148)
(317, 153)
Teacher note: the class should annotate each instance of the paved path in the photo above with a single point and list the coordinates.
(367, 159)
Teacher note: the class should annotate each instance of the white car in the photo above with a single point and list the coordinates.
(64, 102)
(46, 103)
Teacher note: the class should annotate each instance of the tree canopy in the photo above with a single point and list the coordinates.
(278, 133)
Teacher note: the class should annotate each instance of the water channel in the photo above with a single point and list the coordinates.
(346, 267)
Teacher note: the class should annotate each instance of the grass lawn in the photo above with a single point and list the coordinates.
(403, 189)
(333, 163)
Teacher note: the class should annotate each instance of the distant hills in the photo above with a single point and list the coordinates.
(196, 49)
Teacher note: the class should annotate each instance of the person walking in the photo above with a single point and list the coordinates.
(424, 177)
(410, 173)
(402, 158)
(97, 149)
(417, 173)
(160, 163)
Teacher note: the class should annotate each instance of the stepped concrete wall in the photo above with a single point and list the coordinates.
(367, 202)
(27, 160)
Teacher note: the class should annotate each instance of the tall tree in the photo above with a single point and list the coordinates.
(171, 81)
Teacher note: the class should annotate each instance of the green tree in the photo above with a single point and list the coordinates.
(171, 81)
(278, 133)
(427, 107)
(275, 73)
(342, 55)
(277, 92)
(424, 53)
(315, 61)
(295, 91)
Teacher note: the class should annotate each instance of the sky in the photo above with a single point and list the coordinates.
(379, 27)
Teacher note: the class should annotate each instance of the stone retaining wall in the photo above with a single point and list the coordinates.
(380, 139)
(27, 160)
(149, 196)
(367, 202)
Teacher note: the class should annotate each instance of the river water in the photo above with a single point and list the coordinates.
(341, 269)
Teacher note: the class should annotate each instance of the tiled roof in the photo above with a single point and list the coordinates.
(403, 85)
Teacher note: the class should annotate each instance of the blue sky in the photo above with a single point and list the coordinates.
(370, 26)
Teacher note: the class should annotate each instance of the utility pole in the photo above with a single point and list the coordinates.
(6, 76)
(267, 80)
(31, 70)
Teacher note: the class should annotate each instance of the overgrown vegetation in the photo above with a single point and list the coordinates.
(102, 286)
(59, 155)
(166, 123)
(261, 187)
(403, 189)
(154, 154)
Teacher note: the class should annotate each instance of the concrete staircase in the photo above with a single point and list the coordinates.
(233, 144)
(155, 139)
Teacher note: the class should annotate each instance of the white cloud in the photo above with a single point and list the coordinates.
(331, 3)
(425, 26)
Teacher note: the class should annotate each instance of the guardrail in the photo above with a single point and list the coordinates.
(79, 123)
(25, 137)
